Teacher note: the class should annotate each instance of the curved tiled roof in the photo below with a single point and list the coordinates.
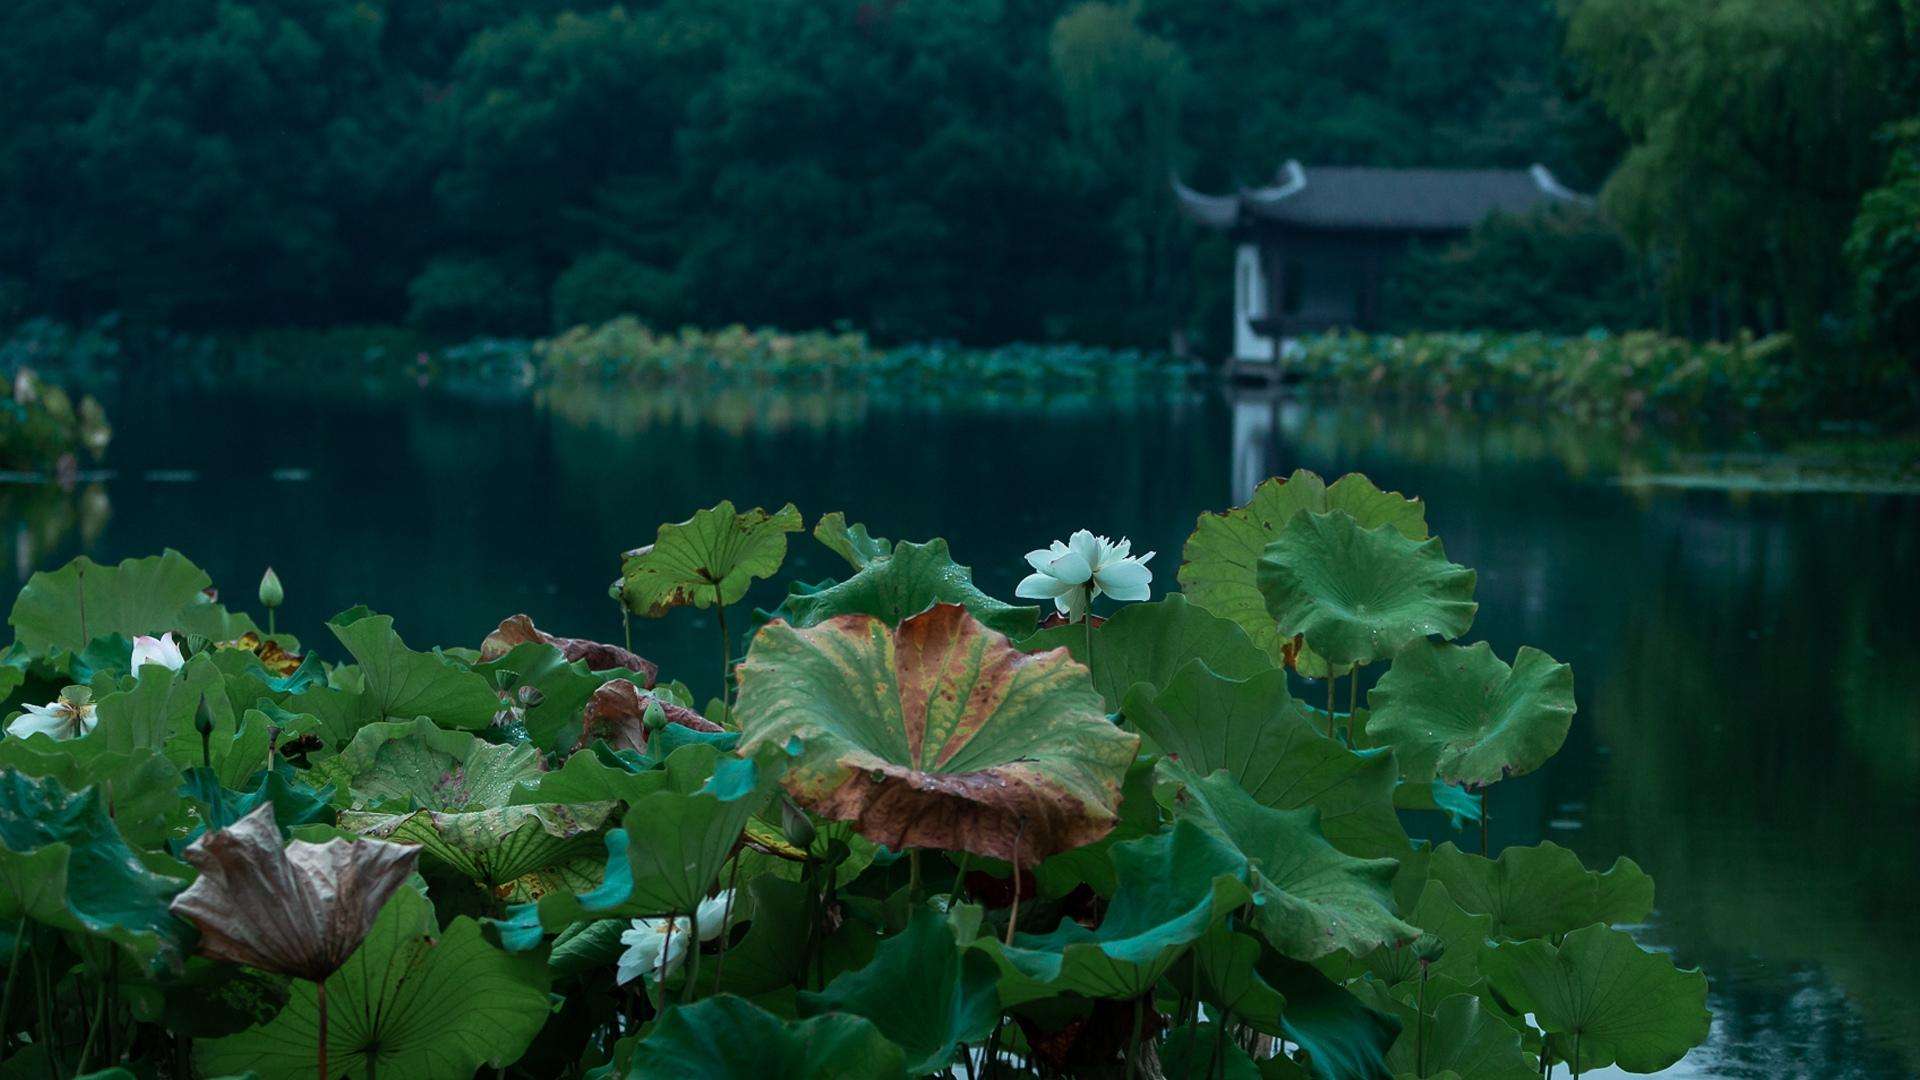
(1347, 197)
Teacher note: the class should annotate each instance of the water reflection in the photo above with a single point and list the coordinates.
(1746, 665)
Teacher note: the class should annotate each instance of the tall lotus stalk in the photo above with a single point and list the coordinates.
(298, 908)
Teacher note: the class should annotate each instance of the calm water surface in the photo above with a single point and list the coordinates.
(1746, 666)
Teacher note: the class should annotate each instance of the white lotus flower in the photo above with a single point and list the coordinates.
(1073, 573)
(646, 938)
(162, 650)
(69, 717)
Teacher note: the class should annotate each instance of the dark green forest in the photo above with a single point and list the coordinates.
(981, 170)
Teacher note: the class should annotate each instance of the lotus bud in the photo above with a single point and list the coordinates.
(795, 824)
(271, 593)
(655, 717)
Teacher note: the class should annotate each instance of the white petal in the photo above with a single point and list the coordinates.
(1072, 568)
(1116, 552)
(1087, 546)
(713, 915)
(1039, 558)
(1073, 605)
(161, 650)
(1128, 580)
(31, 723)
(1042, 587)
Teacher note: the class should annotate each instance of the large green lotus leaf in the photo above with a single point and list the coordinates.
(1542, 891)
(1218, 568)
(493, 847)
(1313, 898)
(1602, 993)
(139, 784)
(730, 1038)
(1456, 1035)
(294, 803)
(1345, 1037)
(1230, 979)
(1191, 1051)
(911, 580)
(69, 607)
(416, 764)
(562, 688)
(938, 734)
(397, 684)
(1450, 940)
(64, 864)
(158, 708)
(711, 558)
(1150, 643)
(924, 990)
(1360, 594)
(669, 849)
(1462, 713)
(1259, 735)
(409, 1003)
(851, 542)
(1174, 887)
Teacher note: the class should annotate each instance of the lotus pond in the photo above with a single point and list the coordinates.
(824, 887)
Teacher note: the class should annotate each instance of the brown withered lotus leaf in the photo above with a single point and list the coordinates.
(617, 712)
(938, 734)
(300, 909)
(519, 630)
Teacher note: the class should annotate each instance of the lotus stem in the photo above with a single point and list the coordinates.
(666, 949)
(626, 626)
(1218, 1066)
(1486, 801)
(913, 875)
(726, 920)
(1574, 1064)
(1088, 620)
(1353, 707)
(320, 985)
(693, 947)
(959, 879)
(93, 1028)
(270, 630)
(1133, 1039)
(726, 660)
(13, 969)
(1420, 1025)
(1330, 680)
(1013, 916)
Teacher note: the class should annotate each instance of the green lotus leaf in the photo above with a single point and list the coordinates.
(678, 832)
(1150, 643)
(911, 580)
(1230, 979)
(711, 558)
(1345, 1037)
(1607, 1000)
(1199, 1050)
(409, 1003)
(69, 607)
(584, 946)
(418, 764)
(294, 803)
(1360, 594)
(1259, 735)
(1092, 864)
(1456, 1035)
(492, 847)
(937, 734)
(64, 864)
(851, 542)
(1218, 568)
(924, 991)
(730, 1037)
(561, 690)
(396, 684)
(1462, 714)
(1450, 940)
(139, 784)
(451, 793)
(1542, 891)
(1174, 887)
(159, 711)
(1313, 898)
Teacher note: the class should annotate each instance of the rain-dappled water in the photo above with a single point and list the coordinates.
(1748, 665)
